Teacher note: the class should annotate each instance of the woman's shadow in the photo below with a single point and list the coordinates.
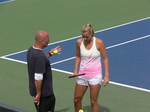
(102, 109)
(86, 109)
(63, 110)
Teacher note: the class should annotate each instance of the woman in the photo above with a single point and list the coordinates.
(89, 50)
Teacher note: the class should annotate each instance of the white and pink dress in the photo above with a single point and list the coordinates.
(90, 61)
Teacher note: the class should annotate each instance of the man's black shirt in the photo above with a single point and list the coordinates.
(37, 62)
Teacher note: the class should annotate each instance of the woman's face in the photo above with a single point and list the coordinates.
(87, 36)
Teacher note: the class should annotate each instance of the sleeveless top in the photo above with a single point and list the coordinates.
(90, 60)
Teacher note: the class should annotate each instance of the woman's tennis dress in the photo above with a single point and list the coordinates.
(90, 60)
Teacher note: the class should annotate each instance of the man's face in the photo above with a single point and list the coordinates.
(45, 41)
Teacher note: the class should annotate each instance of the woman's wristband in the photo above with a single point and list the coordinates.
(50, 54)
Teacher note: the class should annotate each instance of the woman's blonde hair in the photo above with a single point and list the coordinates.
(87, 28)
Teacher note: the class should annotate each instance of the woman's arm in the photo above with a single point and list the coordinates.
(102, 49)
(77, 59)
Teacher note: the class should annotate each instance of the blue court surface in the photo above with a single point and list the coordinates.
(4, 1)
(128, 48)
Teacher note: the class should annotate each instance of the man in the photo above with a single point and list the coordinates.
(40, 74)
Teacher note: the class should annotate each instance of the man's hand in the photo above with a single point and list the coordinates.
(58, 48)
(37, 99)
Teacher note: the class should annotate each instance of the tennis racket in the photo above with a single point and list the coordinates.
(72, 76)
(37, 107)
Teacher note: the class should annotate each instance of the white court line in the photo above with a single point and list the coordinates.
(63, 60)
(123, 24)
(10, 59)
(63, 71)
(128, 41)
(124, 85)
(13, 53)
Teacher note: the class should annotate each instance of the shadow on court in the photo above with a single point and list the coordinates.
(63, 110)
(5, 110)
(102, 109)
(86, 109)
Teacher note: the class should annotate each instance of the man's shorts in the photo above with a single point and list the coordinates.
(90, 81)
